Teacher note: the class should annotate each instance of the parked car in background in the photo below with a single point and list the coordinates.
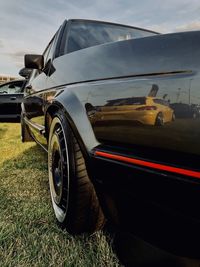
(25, 72)
(11, 96)
(145, 180)
(182, 110)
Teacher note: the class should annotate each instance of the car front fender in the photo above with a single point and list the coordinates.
(68, 102)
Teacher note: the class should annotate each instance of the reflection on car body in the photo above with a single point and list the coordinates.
(145, 110)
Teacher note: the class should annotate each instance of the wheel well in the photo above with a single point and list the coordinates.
(48, 119)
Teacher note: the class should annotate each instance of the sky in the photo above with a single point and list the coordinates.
(27, 26)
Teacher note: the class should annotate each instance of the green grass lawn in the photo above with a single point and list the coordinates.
(29, 235)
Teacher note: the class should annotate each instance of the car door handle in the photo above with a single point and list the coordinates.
(13, 98)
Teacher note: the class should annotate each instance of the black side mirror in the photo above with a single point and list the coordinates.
(12, 86)
(34, 62)
(24, 72)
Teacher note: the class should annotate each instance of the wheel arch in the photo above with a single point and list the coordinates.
(76, 115)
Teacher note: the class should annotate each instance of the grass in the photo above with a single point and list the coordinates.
(29, 235)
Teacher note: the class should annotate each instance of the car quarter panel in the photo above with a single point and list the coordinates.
(110, 80)
(66, 99)
(122, 124)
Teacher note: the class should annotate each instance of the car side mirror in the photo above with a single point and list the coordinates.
(11, 86)
(34, 62)
(24, 72)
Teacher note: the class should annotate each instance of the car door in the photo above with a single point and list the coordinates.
(11, 96)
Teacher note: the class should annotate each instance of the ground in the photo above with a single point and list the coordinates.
(29, 235)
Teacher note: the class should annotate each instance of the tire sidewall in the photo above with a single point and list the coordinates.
(59, 119)
(22, 130)
(83, 212)
(25, 133)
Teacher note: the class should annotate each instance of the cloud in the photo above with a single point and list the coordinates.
(18, 58)
(28, 26)
(18, 55)
(192, 26)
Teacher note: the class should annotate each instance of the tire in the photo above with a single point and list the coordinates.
(75, 203)
(25, 135)
(159, 120)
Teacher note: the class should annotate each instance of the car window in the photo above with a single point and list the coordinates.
(161, 102)
(86, 34)
(49, 51)
(11, 88)
(46, 51)
(127, 101)
(47, 54)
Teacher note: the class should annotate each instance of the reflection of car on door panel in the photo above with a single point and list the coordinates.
(145, 110)
(146, 179)
(182, 110)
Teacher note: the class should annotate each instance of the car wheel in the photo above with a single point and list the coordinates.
(25, 134)
(159, 119)
(73, 196)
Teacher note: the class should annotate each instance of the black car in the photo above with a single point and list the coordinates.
(145, 179)
(11, 96)
(182, 110)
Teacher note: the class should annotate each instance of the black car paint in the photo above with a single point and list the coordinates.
(10, 103)
(160, 207)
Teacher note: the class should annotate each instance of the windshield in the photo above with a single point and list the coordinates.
(11, 88)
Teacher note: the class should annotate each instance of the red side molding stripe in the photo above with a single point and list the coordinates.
(148, 164)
